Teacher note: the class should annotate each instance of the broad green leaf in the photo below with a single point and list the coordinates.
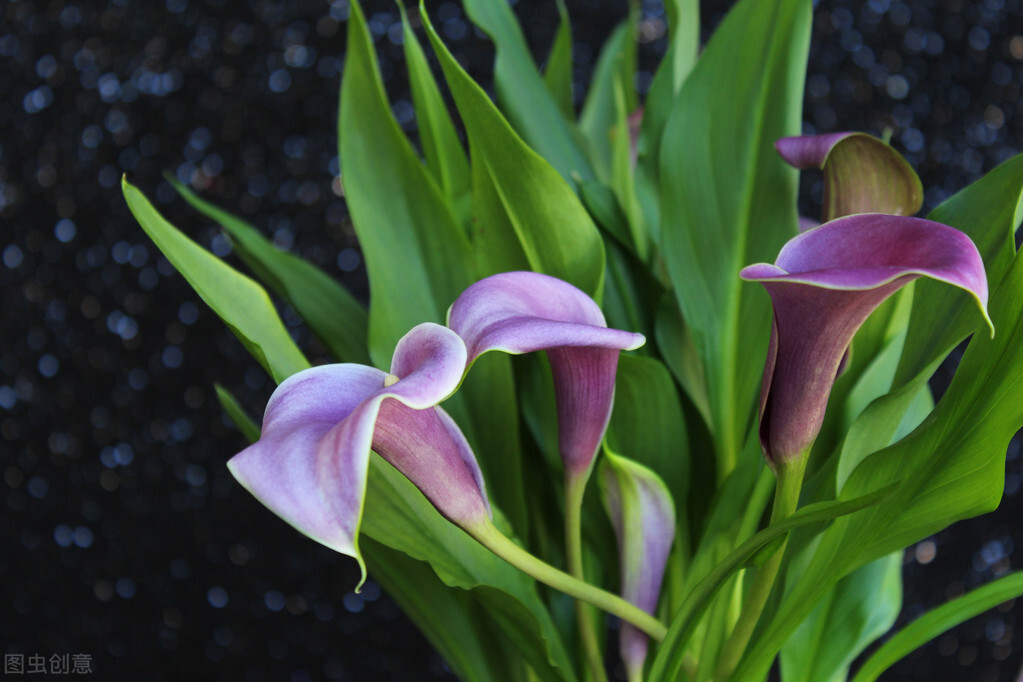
(555, 231)
(603, 205)
(398, 515)
(623, 177)
(679, 351)
(648, 425)
(616, 67)
(333, 314)
(861, 608)
(461, 632)
(986, 211)
(668, 662)
(417, 256)
(245, 423)
(941, 619)
(950, 468)
(629, 290)
(524, 97)
(558, 70)
(728, 199)
(239, 301)
(444, 154)
(678, 62)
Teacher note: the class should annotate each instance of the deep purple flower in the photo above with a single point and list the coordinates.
(824, 284)
(521, 312)
(310, 464)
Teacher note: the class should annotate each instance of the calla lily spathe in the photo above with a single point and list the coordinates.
(823, 285)
(862, 174)
(522, 312)
(643, 516)
(310, 464)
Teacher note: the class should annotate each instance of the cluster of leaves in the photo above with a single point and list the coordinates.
(653, 219)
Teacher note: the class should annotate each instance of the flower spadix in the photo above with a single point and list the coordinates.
(823, 285)
(643, 516)
(521, 312)
(310, 464)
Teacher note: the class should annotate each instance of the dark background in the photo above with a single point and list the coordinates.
(122, 535)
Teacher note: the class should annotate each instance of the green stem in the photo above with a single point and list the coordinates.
(575, 488)
(491, 538)
(786, 498)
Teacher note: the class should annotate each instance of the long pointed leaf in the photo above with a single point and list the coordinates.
(524, 97)
(333, 314)
(556, 233)
(729, 199)
(239, 301)
(417, 255)
(935, 622)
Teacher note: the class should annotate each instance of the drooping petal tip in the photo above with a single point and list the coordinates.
(311, 462)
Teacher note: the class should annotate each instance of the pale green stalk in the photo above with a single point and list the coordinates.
(786, 498)
(575, 488)
(491, 538)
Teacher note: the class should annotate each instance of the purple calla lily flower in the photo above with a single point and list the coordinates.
(643, 516)
(310, 464)
(521, 312)
(823, 285)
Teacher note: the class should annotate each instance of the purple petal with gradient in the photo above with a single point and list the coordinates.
(643, 516)
(823, 285)
(522, 312)
(310, 464)
(862, 174)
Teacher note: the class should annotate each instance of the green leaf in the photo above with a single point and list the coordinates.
(728, 199)
(678, 62)
(861, 608)
(417, 256)
(668, 662)
(524, 97)
(555, 231)
(333, 314)
(558, 71)
(616, 67)
(986, 211)
(648, 425)
(397, 515)
(935, 622)
(461, 632)
(950, 468)
(237, 414)
(444, 154)
(451, 619)
(603, 205)
(679, 350)
(239, 301)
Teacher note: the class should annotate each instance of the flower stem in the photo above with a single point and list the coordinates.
(491, 538)
(575, 488)
(786, 498)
